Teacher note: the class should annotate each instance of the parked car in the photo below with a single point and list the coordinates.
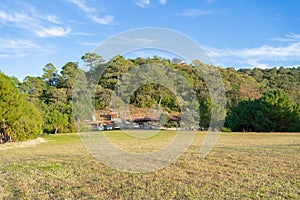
(136, 125)
(101, 128)
(109, 127)
(126, 126)
(117, 126)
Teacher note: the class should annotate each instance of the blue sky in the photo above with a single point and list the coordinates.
(234, 33)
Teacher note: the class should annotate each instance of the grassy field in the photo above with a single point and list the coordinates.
(241, 166)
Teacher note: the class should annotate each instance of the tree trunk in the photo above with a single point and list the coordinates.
(160, 99)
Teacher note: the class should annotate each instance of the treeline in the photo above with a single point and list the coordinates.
(39, 104)
(257, 99)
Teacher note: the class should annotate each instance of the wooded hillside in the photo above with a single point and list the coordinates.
(257, 99)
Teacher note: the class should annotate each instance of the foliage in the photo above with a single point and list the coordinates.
(59, 98)
(287, 79)
(274, 111)
(22, 118)
(29, 125)
(205, 113)
(163, 119)
(239, 87)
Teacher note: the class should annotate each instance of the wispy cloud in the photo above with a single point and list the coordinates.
(16, 48)
(14, 18)
(265, 51)
(82, 5)
(82, 34)
(106, 19)
(17, 44)
(149, 3)
(50, 18)
(291, 37)
(195, 12)
(92, 44)
(53, 32)
(136, 40)
(143, 3)
(92, 12)
(41, 25)
(162, 2)
(257, 57)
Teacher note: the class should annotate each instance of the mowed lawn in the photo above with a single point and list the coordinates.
(241, 166)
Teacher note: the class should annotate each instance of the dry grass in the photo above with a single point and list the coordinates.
(29, 143)
(241, 166)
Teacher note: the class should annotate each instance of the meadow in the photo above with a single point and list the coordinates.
(241, 166)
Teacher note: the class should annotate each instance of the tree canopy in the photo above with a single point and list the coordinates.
(21, 117)
(257, 99)
(274, 111)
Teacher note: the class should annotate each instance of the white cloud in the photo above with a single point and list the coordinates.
(82, 5)
(16, 48)
(143, 3)
(53, 32)
(93, 44)
(162, 2)
(147, 3)
(6, 17)
(106, 19)
(44, 17)
(42, 25)
(14, 17)
(265, 51)
(82, 34)
(21, 19)
(259, 57)
(52, 19)
(17, 44)
(137, 40)
(292, 37)
(195, 12)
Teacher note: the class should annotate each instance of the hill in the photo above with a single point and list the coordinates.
(53, 93)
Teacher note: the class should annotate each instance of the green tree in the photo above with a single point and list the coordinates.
(277, 108)
(82, 98)
(287, 79)
(92, 60)
(50, 74)
(29, 125)
(102, 97)
(117, 66)
(242, 117)
(56, 121)
(96, 65)
(22, 118)
(163, 119)
(205, 113)
(33, 87)
(68, 77)
(274, 111)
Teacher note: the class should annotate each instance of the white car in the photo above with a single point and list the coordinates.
(108, 127)
(101, 128)
(136, 125)
(117, 126)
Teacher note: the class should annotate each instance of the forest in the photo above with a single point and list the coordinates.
(258, 100)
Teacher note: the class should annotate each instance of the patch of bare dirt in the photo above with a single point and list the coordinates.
(29, 143)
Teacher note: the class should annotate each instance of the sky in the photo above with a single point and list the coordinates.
(233, 33)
